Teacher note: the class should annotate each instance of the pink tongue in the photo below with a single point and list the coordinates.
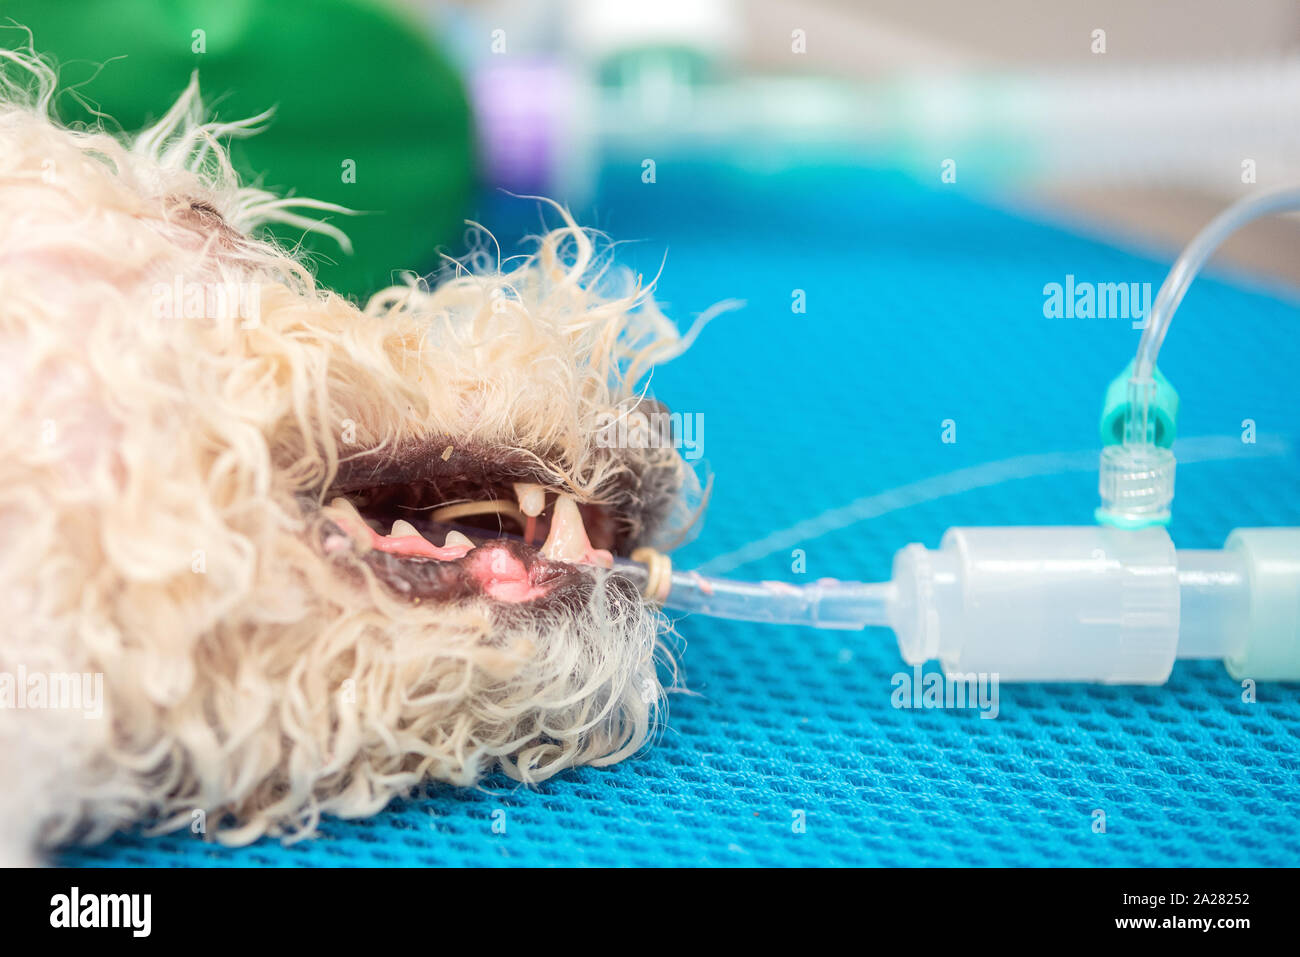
(502, 576)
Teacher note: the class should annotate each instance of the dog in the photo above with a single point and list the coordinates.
(294, 556)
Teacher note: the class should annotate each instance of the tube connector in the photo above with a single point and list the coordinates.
(1268, 647)
(1090, 603)
(1137, 477)
(1136, 484)
(1082, 603)
(1139, 420)
(1160, 398)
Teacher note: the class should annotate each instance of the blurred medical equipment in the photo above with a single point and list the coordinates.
(606, 86)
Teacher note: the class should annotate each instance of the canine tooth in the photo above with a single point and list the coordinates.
(567, 541)
(402, 529)
(353, 524)
(345, 505)
(532, 498)
(456, 538)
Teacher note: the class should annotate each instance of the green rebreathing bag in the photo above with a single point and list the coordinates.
(350, 80)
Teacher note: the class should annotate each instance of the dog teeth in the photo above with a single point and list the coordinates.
(567, 541)
(353, 524)
(532, 498)
(456, 538)
(403, 529)
(344, 505)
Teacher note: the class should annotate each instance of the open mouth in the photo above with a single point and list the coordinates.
(442, 523)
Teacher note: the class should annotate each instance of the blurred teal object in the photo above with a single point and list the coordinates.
(356, 86)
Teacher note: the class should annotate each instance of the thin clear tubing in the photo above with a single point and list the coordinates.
(1138, 427)
(821, 604)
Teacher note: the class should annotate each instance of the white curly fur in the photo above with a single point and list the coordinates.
(150, 530)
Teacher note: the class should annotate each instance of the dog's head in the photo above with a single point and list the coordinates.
(317, 551)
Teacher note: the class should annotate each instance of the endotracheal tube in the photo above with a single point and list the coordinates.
(1114, 603)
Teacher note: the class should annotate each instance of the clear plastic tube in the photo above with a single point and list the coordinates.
(822, 604)
(1137, 425)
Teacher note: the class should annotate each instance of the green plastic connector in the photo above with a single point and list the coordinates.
(1164, 409)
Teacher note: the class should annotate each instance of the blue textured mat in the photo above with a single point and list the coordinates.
(921, 306)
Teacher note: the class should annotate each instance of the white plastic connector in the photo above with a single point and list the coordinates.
(1086, 603)
(1267, 639)
(1094, 603)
